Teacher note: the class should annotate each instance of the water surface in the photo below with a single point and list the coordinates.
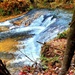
(37, 25)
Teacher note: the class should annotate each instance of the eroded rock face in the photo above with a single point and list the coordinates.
(3, 28)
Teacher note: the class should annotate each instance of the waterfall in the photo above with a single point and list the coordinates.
(44, 27)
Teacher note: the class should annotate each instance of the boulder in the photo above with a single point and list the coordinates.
(3, 28)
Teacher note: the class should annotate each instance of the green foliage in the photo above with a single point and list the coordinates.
(30, 7)
(45, 59)
(13, 7)
(16, 11)
(2, 12)
(8, 12)
(63, 34)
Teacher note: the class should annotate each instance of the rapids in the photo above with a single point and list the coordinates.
(44, 25)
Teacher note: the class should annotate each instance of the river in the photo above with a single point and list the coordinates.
(43, 25)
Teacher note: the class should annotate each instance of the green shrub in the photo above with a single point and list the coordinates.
(13, 7)
(30, 7)
(16, 11)
(9, 12)
(63, 34)
(2, 12)
(45, 59)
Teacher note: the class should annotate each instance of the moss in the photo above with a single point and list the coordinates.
(63, 34)
(52, 59)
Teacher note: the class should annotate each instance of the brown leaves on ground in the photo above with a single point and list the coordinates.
(59, 45)
(56, 46)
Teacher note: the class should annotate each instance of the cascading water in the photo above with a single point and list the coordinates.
(45, 26)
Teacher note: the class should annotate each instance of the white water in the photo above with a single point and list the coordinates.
(45, 27)
(6, 23)
(32, 48)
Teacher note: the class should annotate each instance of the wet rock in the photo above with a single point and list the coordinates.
(3, 29)
(17, 23)
(14, 34)
(6, 55)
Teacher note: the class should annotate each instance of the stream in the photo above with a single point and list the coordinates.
(43, 25)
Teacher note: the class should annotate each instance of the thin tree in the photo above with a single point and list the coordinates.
(70, 48)
(32, 1)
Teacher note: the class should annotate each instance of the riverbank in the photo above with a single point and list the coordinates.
(4, 18)
(52, 56)
(52, 6)
(31, 43)
(52, 61)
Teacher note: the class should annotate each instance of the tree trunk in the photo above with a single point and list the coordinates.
(70, 48)
(32, 1)
(3, 69)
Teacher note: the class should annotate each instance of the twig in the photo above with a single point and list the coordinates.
(40, 42)
(26, 56)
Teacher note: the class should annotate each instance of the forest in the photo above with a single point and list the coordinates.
(37, 37)
(9, 7)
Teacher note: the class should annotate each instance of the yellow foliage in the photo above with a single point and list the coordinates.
(8, 45)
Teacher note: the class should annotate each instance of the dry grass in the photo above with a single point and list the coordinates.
(8, 45)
